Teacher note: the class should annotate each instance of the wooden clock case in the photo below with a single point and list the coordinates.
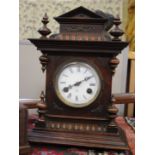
(83, 37)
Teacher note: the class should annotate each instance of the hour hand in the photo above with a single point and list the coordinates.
(77, 83)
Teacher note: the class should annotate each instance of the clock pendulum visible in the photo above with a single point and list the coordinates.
(77, 108)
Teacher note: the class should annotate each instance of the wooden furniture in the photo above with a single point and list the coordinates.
(130, 33)
(130, 108)
(125, 98)
(24, 148)
(77, 108)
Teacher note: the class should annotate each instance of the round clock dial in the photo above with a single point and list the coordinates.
(77, 84)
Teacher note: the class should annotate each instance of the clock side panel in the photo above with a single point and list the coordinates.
(99, 107)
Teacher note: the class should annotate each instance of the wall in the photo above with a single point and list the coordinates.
(32, 11)
(32, 81)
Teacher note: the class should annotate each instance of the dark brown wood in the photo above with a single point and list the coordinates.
(44, 61)
(64, 47)
(44, 31)
(24, 150)
(113, 64)
(42, 108)
(83, 38)
(116, 32)
(106, 141)
(31, 105)
(80, 15)
(125, 98)
(24, 147)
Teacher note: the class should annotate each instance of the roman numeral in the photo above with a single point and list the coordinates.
(65, 75)
(92, 84)
(85, 70)
(62, 82)
(84, 97)
(76, 98)
(69, 95)
(71, 70)
(78, 68)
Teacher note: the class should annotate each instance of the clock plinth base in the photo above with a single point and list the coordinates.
(96, 141)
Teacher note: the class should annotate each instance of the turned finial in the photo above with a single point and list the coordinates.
(44, 31)
(42, 96)
(113, 64)
(44, 61)
(116, 32)
(41, 105)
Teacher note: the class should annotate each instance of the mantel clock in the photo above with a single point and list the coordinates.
(77, 107)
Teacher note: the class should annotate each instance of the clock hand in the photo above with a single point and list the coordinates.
(78, 83)
(85, 79)
(66, 89)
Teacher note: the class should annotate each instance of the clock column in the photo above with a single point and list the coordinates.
(112, 110)
(42, 107)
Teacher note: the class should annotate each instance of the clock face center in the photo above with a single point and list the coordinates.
(77, 84)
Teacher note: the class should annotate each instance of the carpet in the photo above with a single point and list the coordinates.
(50, 150)
(129, 132)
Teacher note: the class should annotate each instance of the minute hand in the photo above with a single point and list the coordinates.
(85, 79)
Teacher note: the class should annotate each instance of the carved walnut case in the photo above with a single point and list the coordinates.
(84, 36)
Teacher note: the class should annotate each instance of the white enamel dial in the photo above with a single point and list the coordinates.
(77, 84)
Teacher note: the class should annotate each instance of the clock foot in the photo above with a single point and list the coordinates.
(40, 124)
(112, 128)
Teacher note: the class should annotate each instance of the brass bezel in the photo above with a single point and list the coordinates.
(71, 104)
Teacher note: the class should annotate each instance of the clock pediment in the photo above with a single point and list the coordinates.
(80, 12)
(80, 15)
